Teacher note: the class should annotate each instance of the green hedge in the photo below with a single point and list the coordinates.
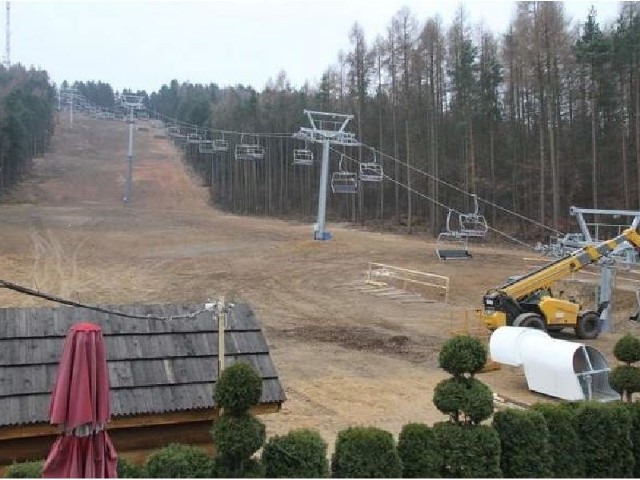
(298, 454)
(634, 411)
(464, 396)
(625, 379)
(365, 452)
(563, 440)
(462, 354)
(25, 470)
(179, 461)
(604, 430)
(128, 469)
(524, 444)
(468, 451)
(238, 389)
(419, 452)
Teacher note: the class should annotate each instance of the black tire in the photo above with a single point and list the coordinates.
(588, 326)
(530, 320)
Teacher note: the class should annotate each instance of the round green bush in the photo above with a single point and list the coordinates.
(604, 430)
(462, 354)
(298, 454)
(563, 440)
(247, 468)
(25, 470)
(365, 452)
(128, 469)
(625, 379)
(468, 451)
(236, 438)
(627, 349)
(179, 461)
(468, 397)
(238, 389)
(418, 451)
(524, 443)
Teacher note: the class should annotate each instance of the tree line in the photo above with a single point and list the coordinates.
(542, 117)
(26, 120)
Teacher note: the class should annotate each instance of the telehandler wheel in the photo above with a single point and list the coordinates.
(588, 326)
(530, 320)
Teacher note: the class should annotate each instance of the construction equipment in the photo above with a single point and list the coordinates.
(527, 301)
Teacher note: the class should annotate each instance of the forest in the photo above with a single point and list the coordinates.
(539, 118)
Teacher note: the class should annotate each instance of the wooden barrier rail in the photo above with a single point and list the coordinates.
(407, 279)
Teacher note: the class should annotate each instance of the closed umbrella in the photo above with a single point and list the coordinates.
(80, 405)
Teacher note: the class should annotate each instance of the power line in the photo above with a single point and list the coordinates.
(53, 298)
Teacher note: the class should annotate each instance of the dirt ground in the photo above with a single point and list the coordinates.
(345, 357)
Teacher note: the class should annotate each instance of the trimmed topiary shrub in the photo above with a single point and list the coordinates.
(627, 349)
(563, 440)
(462, 354)
(238, 437)
(249, 468)
(468, 451)
(179, 461)
(128, 469)
(604, 430)
(625, 379)
(298, 454)
(365, 452)
(238, 389)
(464, 396)
(25, 470)
(419, 452)
(524, 443)
(634, 411)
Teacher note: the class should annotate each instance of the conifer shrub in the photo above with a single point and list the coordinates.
(627, 349)
(464, 399)
(128, 469)
(236, 438)
(524, 444)
(298, 454)
(634, 412)
(462, 354)
(468, 451)
(564, 443)
(419, 452)
(179, 461)
(365, 452)
(604, 430)
(238, 389)
(25, 470)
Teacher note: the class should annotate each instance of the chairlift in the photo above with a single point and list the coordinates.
(451, 244)
(194, 138)
(473, 225)
(249, 151)
(343, 182)
(206, 146)
(220, 144)
(371, 171)
(303, 156)
(173, 130)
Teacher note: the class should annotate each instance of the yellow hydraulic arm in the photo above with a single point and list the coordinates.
(547, 275)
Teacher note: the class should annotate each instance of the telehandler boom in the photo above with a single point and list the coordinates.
(528, 302)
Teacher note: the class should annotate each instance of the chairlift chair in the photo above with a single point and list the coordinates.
(343, 182)
(194, 138)
(220, 145)
(303, 156)
(370, 171)
(451, 244)
(245, 151)
(205, 146)
(473, 225)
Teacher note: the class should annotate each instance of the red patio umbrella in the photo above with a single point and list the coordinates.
(80, 405)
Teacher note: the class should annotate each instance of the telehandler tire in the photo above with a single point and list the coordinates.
(530, 320)
(588, 326)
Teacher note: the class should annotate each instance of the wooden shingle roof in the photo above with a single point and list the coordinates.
(155, 366)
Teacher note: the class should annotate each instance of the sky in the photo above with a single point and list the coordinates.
(145, 44)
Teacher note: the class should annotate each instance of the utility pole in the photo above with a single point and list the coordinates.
(127, 193)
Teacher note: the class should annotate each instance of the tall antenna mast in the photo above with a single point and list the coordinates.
(7, 55)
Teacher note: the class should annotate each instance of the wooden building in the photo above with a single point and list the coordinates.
(162, 375)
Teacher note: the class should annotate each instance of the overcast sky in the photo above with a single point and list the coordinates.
(145, 44)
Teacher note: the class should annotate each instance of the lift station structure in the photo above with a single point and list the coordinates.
(328, 129)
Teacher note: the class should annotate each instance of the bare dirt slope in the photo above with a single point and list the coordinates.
(344, 357)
